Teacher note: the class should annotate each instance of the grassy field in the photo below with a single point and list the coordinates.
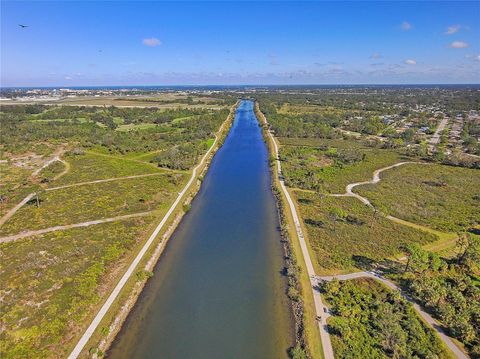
(163, 101)
(133, 127)
(327, 166)
(96, 201)
(443, 197)
(344, 234)
(371, 321)
(92, 166)
(15, 185)
(49, 282)
(50, 172)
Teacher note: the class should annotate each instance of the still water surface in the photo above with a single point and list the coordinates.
(217, 291)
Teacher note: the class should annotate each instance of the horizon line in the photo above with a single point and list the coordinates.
(245, 85)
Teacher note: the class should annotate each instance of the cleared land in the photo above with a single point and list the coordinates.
(443, 197)
(327, 166)
(52, 283)
(343, 233)
(331, 139)
(164, 101)
(94, 166)
(96, 201)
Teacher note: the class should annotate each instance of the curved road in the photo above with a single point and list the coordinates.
(320, 308)
(375, 179)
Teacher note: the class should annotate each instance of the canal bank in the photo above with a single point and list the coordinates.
(111, 314)
(218, 289)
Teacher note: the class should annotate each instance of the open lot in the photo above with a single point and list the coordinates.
(96, 201)
(344, 234)
(443, 197)
(49, 283)
(327, 166)
(87, 169)
(95, 166)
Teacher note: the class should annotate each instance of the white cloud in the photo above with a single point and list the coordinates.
(452, 29)
(458, 45)
(410, 62)
(151, 42)
(406, 26)
(376, 55)
(68, 78)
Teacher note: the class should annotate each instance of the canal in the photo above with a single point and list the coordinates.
(218, 289)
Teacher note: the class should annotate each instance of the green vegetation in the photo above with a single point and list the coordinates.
(50, 172)
(343, 233)
(443, 197)
(371, 321)
(96, 201)
(449, 288)
(332, 164)
(21, 127)
(50, 282)
(92, 166)
(15, 185)
(32, 132)
(332, 137)
(133, 127)
(293, 270)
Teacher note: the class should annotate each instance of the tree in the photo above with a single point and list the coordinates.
(469, 256)
(417, 258)
(336, 214)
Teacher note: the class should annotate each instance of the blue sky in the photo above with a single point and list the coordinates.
(168, 43)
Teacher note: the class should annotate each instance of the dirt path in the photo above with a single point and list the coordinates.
(131, 269)
(445, 239)
(65, 171)
(375, 179)
(11, 212)
(426, 317)
(136, 161)
(320, 309)
(55, 157)
(69, 226)
(103, 180)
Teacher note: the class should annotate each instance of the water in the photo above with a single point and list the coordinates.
(218, 291)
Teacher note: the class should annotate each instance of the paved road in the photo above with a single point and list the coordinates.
(320, 309)
(26, 234)
(436, 136)
(131, 269)
(427, 317)
(319, 306)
